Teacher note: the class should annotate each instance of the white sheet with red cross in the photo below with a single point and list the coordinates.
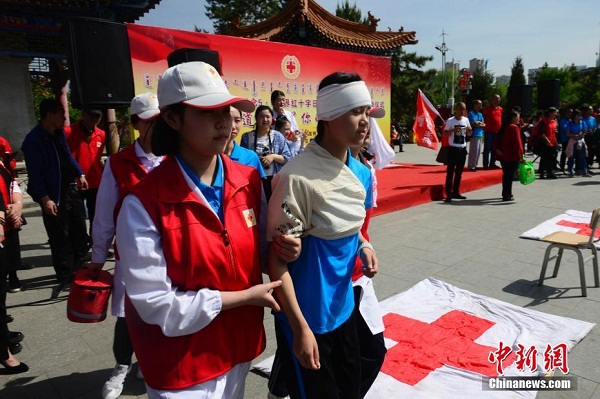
(571, 221)
(445, 342)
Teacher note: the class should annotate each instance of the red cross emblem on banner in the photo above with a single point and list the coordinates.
(424, 347)
(584, 228)
(291, 66)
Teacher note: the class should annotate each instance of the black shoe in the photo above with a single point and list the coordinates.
(458, 196)
(542, 176)
(15, 348)
(448, 199)
(14, 285)
(21, 368)
(110, 255)
(552, 176)
(61, 287)
(9, 319)
(511, 198)
(14, 337)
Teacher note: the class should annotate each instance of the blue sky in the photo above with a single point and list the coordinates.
(557, 32)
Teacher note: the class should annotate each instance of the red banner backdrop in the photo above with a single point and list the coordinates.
(254, 68)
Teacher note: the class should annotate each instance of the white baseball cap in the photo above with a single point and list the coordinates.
(145, 106)
(199, 85)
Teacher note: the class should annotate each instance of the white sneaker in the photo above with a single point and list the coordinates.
(139, 374)
(114, 386)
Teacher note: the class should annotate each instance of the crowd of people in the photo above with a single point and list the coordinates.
(507, 137)
(196, 219)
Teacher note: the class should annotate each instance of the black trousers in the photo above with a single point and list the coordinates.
(67, 233)
(89, 198)
(122, 346)
(547, 159)
(277, 384)
(563, 155)
(339, 376)
(372, 355)
(508, 172)
(454, 168)
(267, 180)
(3, 325)
(13, 253)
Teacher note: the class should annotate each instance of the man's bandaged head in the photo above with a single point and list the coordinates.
(335, 100)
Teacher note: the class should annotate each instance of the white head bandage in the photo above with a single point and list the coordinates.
(335, 100)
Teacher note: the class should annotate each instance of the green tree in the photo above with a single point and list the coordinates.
(222, 12)
(350, 12)
(517, 73)
(41, 89)
(576, 87)
(482, 86)
(407, 78)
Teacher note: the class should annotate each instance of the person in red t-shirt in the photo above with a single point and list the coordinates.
(492, 116)
(86, 141)
(547, 143)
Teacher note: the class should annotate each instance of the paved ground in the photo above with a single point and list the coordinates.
(472, 244)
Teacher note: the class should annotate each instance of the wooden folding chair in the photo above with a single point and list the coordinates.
(575, 242)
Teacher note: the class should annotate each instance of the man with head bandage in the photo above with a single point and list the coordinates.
(335, 100)
(317, 196)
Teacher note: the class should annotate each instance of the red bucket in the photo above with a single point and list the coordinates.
(88, 298)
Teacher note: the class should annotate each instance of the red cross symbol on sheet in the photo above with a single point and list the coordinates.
(291, 66)
(584, 228)
(424, 347)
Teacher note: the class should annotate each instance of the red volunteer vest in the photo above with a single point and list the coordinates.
(127, 171)
(202, 253)
(5, 191)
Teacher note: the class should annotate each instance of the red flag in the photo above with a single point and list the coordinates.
(424, 126)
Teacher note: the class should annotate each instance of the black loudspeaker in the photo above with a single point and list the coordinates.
(521, 95)
(548, 92)
(99, 63)
(195, 54)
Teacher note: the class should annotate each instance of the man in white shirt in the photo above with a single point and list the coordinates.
(457, 129)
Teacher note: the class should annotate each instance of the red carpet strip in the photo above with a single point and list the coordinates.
(401, 185)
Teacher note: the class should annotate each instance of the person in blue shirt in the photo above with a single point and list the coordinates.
(576, 149)
(589, 126)
(236, 152)
(563, 126)
(318, 197)
(477, 123)
(55, 180)
(270, 145)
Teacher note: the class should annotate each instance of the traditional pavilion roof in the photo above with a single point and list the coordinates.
(32, 27)
(306, 22)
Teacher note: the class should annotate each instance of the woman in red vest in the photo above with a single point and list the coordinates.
(122, 172)
(509, 151)
(8, 339)
(189, 235)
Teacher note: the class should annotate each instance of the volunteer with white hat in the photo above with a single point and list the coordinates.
(189, 234)
(122, 171)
